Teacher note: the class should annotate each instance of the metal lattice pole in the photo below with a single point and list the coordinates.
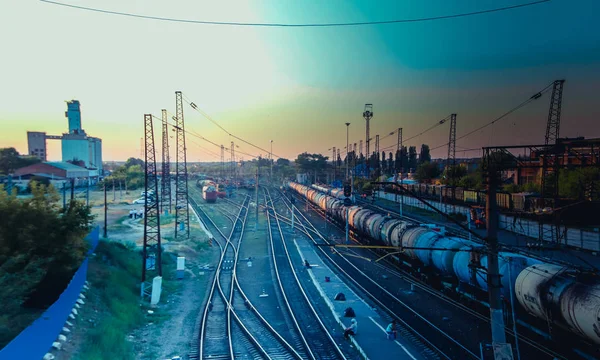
(451, 160)
(151, 253)
(182, 211)
(166, 167)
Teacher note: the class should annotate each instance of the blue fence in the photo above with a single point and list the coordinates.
(36, 340)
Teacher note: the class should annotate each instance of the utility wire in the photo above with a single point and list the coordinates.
(228, 23)
(191, 132)
(421, 133)
(195, 107)
(531, 99)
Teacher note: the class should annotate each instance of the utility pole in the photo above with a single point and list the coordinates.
(166, 166)
(368, 115)
(222, 161)
(271, 161)
(347, 140)
(399, 152)
(87, 193)
(256, 191)
(105, 213)
(114, 190)
(451, 160)
(334, 164)
(182, 211)
(232, 162)
(551, 164)
(151, 252)
(493, 276)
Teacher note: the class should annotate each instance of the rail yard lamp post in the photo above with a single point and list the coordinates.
(347, 159)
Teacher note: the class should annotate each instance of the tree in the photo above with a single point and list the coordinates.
(453, 174)
(391, 163)
(134, 161)
(311, 163)
(427, 171)
(424, 155)
(282, 162)
(412, 157)
(576, 183)
(384, 168)
(11, 160)
(41, 245)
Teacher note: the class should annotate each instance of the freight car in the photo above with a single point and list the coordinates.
(209, 193)
(554, 294)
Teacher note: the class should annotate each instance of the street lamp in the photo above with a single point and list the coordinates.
(347, 162)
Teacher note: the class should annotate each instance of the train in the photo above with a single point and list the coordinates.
(518, 202)
(552, 294)
(209, 190)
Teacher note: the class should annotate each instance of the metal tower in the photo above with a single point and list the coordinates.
(360, 148)
(334, 162)
(166, 167)
(182, 211)
(550, 164)
(377, 144)
(151, 253)
(222, 161)
(451, 160)
(368, 114)
(399, 146)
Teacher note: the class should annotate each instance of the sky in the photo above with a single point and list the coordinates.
(297, 86)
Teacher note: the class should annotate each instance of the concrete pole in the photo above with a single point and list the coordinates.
(512, 307)
(292, 216)
(271, 157)
(64, 191)
(493, 278)
(87, 193)
(105, 213)
(115, 191)
(256, 190)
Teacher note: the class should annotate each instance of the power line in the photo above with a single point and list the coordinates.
(227, 23)
(190, 132)
(421, 133)
(532, 98)
(195, 107)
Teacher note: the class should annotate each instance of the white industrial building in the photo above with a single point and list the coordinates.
(76, 145)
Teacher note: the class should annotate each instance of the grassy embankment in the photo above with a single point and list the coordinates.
(114, 293)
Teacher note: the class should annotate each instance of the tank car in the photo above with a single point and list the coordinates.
(555, 294)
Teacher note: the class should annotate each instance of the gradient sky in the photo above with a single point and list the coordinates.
(297, 86)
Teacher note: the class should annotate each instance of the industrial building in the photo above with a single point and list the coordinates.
(76, 145)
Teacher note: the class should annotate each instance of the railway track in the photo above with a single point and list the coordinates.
(254, 336)
(316, 339)
(528, 345)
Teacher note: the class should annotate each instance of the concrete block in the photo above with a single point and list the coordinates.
(81, 302)
(156, 290)
(74, 312)
(81, 296)
(180, 263)
(69, 323)
(48, 356)
(62, 338)
(56, 345)
(71, 316)
(77, 306)
(86, 287)
(66, 330)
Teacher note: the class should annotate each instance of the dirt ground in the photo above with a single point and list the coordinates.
(168, 334)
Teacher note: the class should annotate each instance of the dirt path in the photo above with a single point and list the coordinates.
(173, 336)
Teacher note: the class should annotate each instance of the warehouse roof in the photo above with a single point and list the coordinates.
(65, 166)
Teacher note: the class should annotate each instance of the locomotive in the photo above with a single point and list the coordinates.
(555, 294)
(209, 190)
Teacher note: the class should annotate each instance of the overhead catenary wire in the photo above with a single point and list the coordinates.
(524, 103)
(208, 117)
(192, 133)
(298, 25)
